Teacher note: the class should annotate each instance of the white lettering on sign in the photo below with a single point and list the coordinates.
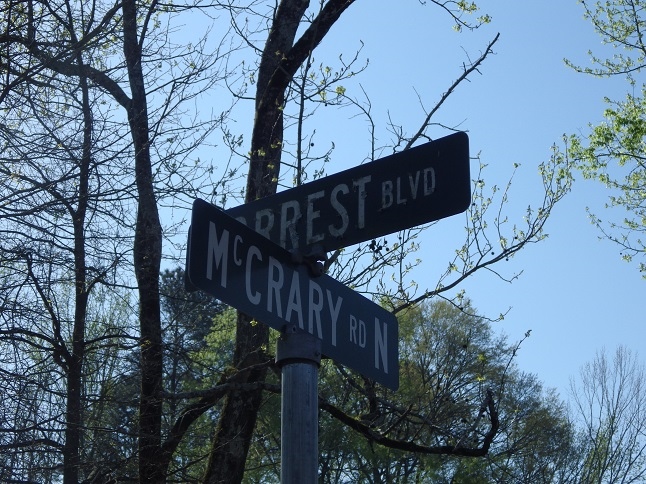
(316, 307)
(288, 224)
(331, 212)
(294, 301)
(274, 285)
(357, 332)
(381, 345)
(254, 297)
(311, 216)
(217, 251)
(340, 209)
(264, 228)
(286, 295)
(236, 243)
(404, 187)
(360, 184)
(334, 312)
(278, 288)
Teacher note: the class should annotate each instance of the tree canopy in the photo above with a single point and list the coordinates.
(614, 151)
(609, 401)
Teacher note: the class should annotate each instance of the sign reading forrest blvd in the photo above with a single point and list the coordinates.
(245, 270)
(397, 192)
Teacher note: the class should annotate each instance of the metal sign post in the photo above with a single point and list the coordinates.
(242, 257)
(299, 355)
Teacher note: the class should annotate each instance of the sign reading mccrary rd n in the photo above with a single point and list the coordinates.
(400, 191)
(245, 270)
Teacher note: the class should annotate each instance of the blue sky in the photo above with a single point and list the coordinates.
(575, 293)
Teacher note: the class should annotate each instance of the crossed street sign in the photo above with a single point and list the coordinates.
(245, 270)
(243, 256)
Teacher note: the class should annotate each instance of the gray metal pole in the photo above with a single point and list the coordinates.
(299, 355)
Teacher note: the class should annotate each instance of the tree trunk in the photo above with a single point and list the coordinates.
(280, 60)
(73, 413)
(238, 419)
(147, 259)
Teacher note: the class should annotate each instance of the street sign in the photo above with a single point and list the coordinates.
(245, 270)
(400, 191)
